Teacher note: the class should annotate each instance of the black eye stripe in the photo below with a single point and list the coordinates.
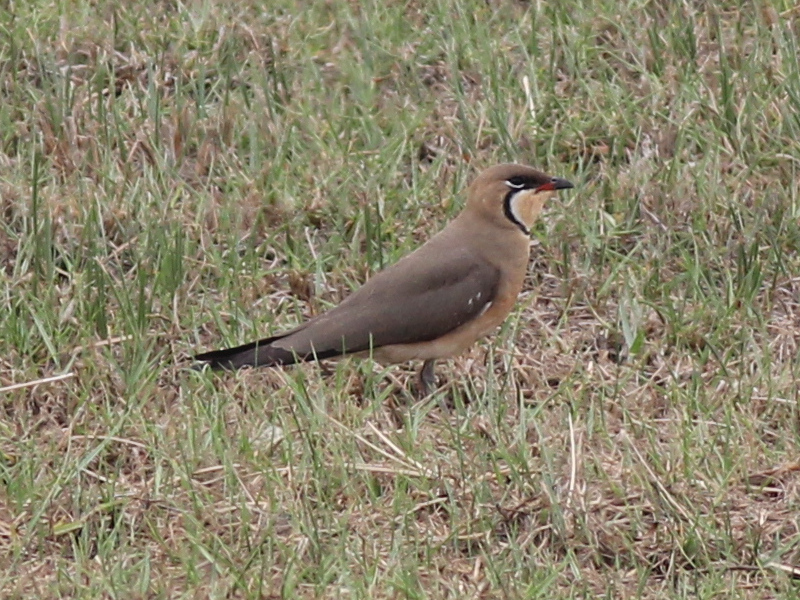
(523, 182)
(519, 182)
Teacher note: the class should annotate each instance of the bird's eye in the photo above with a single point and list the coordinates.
(517, 182)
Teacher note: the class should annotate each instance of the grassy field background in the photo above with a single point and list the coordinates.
(179, 176)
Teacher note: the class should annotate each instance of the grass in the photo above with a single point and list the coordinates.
(175, 177)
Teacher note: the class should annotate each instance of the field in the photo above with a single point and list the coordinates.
(175, 177)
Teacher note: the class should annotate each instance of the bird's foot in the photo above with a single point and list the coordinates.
(427, 379)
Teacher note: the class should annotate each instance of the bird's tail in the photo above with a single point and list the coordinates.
(255, 354)
(265, 353)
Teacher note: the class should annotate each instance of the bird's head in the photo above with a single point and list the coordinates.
(513, 195)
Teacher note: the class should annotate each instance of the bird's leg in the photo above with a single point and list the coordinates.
(427, 378)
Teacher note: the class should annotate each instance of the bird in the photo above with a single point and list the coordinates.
(433, 303)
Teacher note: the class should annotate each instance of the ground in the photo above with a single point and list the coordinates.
(175, 177)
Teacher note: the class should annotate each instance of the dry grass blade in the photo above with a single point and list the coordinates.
(790, 570)
(394, 454)
(657, 484)
(35, 382)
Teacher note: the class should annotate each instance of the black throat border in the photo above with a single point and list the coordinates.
(510, 214)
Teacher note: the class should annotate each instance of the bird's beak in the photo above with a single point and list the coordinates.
(556, 183)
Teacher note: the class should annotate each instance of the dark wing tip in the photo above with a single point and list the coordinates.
(218, 360)
(257, 354)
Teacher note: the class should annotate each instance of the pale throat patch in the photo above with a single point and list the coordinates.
(526, 205)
